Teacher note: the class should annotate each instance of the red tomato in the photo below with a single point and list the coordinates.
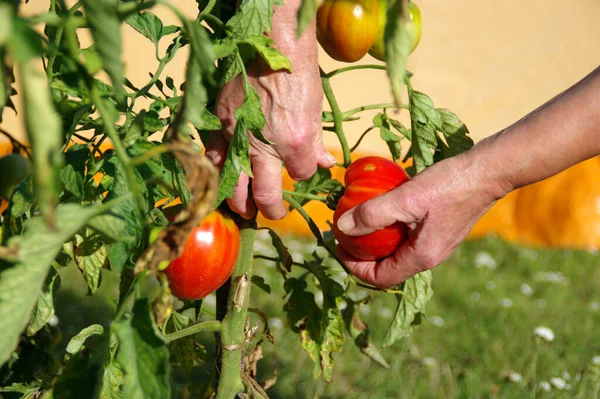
(208, 258)
(365, 179)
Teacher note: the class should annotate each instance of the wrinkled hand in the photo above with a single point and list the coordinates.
(292, 104)
(440, 205)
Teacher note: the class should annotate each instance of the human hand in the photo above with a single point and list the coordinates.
(440, 205)
(292, 104)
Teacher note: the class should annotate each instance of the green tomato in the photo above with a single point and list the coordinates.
(14, 169)
(415, 28)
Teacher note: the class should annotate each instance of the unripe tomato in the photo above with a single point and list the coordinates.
(346, 29)
(415, 27)
(13, 169)
(208, 258)
(365, 179)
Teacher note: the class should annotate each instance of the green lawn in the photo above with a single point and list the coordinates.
(489, 298)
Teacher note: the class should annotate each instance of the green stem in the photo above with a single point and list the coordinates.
(141, 159)
(337, 117)
(362, 136)
(232, 326)
(211, 326)
(134, 186)
(305, 195)
(351, 112)
(353, 68)
(58, 38)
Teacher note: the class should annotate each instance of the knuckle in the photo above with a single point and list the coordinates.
(267, 198)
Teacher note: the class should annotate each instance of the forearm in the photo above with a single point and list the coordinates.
(559, 134)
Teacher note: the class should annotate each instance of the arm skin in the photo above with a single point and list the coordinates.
(442, 203)
(292, 104)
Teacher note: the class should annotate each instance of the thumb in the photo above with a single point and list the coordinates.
(398, 205)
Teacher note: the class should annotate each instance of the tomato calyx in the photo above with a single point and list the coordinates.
(333, 198)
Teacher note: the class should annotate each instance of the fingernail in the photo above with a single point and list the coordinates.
(345, 223)
(330, 158)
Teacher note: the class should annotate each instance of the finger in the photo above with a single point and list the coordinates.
(324, 158)
(216, 149)
(388, 272)
(398, 205)
(267, 186)
(300, 158)
(240, 201)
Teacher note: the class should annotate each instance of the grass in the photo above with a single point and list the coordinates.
(478, 341)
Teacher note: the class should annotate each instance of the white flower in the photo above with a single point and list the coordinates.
(513, 376)
(596, 360)
(526, 289)
(437, 321)
(558, 383)
(505, 303)
(566, 376)
(275, 323)
(490, 285)
(429, 362)
(545, 386)
(475, 296)
(53, 322)
(484, 260)
(594, 306)
(544, 333)
(552, 277)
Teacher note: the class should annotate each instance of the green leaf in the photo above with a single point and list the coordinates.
(251, 112)
(142, 355)
(27, 391)
(360, 332)
(7, 15)
(425, 121)
(104, 23)
(44, 132)
(398, 40)
(272, 56)
(147, 24)
(24, 43)
(76, 343)
(44, 308)
(199, 70)
(21, 283)
(259, 282)
(111, 381)
(208, 122)
(237, 160)
(225, 47)
(90, 256)
(93, 61)
(283, 254)
(306, 14)
(392, 139)
(72, 174)
(319, 183)
(417, 293)
(455, 132)
(252, 18)
(111, 226)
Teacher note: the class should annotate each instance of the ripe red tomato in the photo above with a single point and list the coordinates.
(365, 179)
(208, 258)
(346, 29)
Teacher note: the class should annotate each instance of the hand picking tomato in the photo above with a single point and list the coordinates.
(346, 29)
(415, 28)
(365, 179)
(208, 258)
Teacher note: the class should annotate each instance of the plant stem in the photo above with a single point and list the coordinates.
(119, 148)
(352, 68)
(232, 327)
(351, 112)
(211, 326)
(305, 195)
(362, 136)
(151, 153)
(337, 117)
(57, 39)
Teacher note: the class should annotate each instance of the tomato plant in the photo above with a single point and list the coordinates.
(116, 156)
(347, 29)
(208, 258)
(415, 28)
(365, 179)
